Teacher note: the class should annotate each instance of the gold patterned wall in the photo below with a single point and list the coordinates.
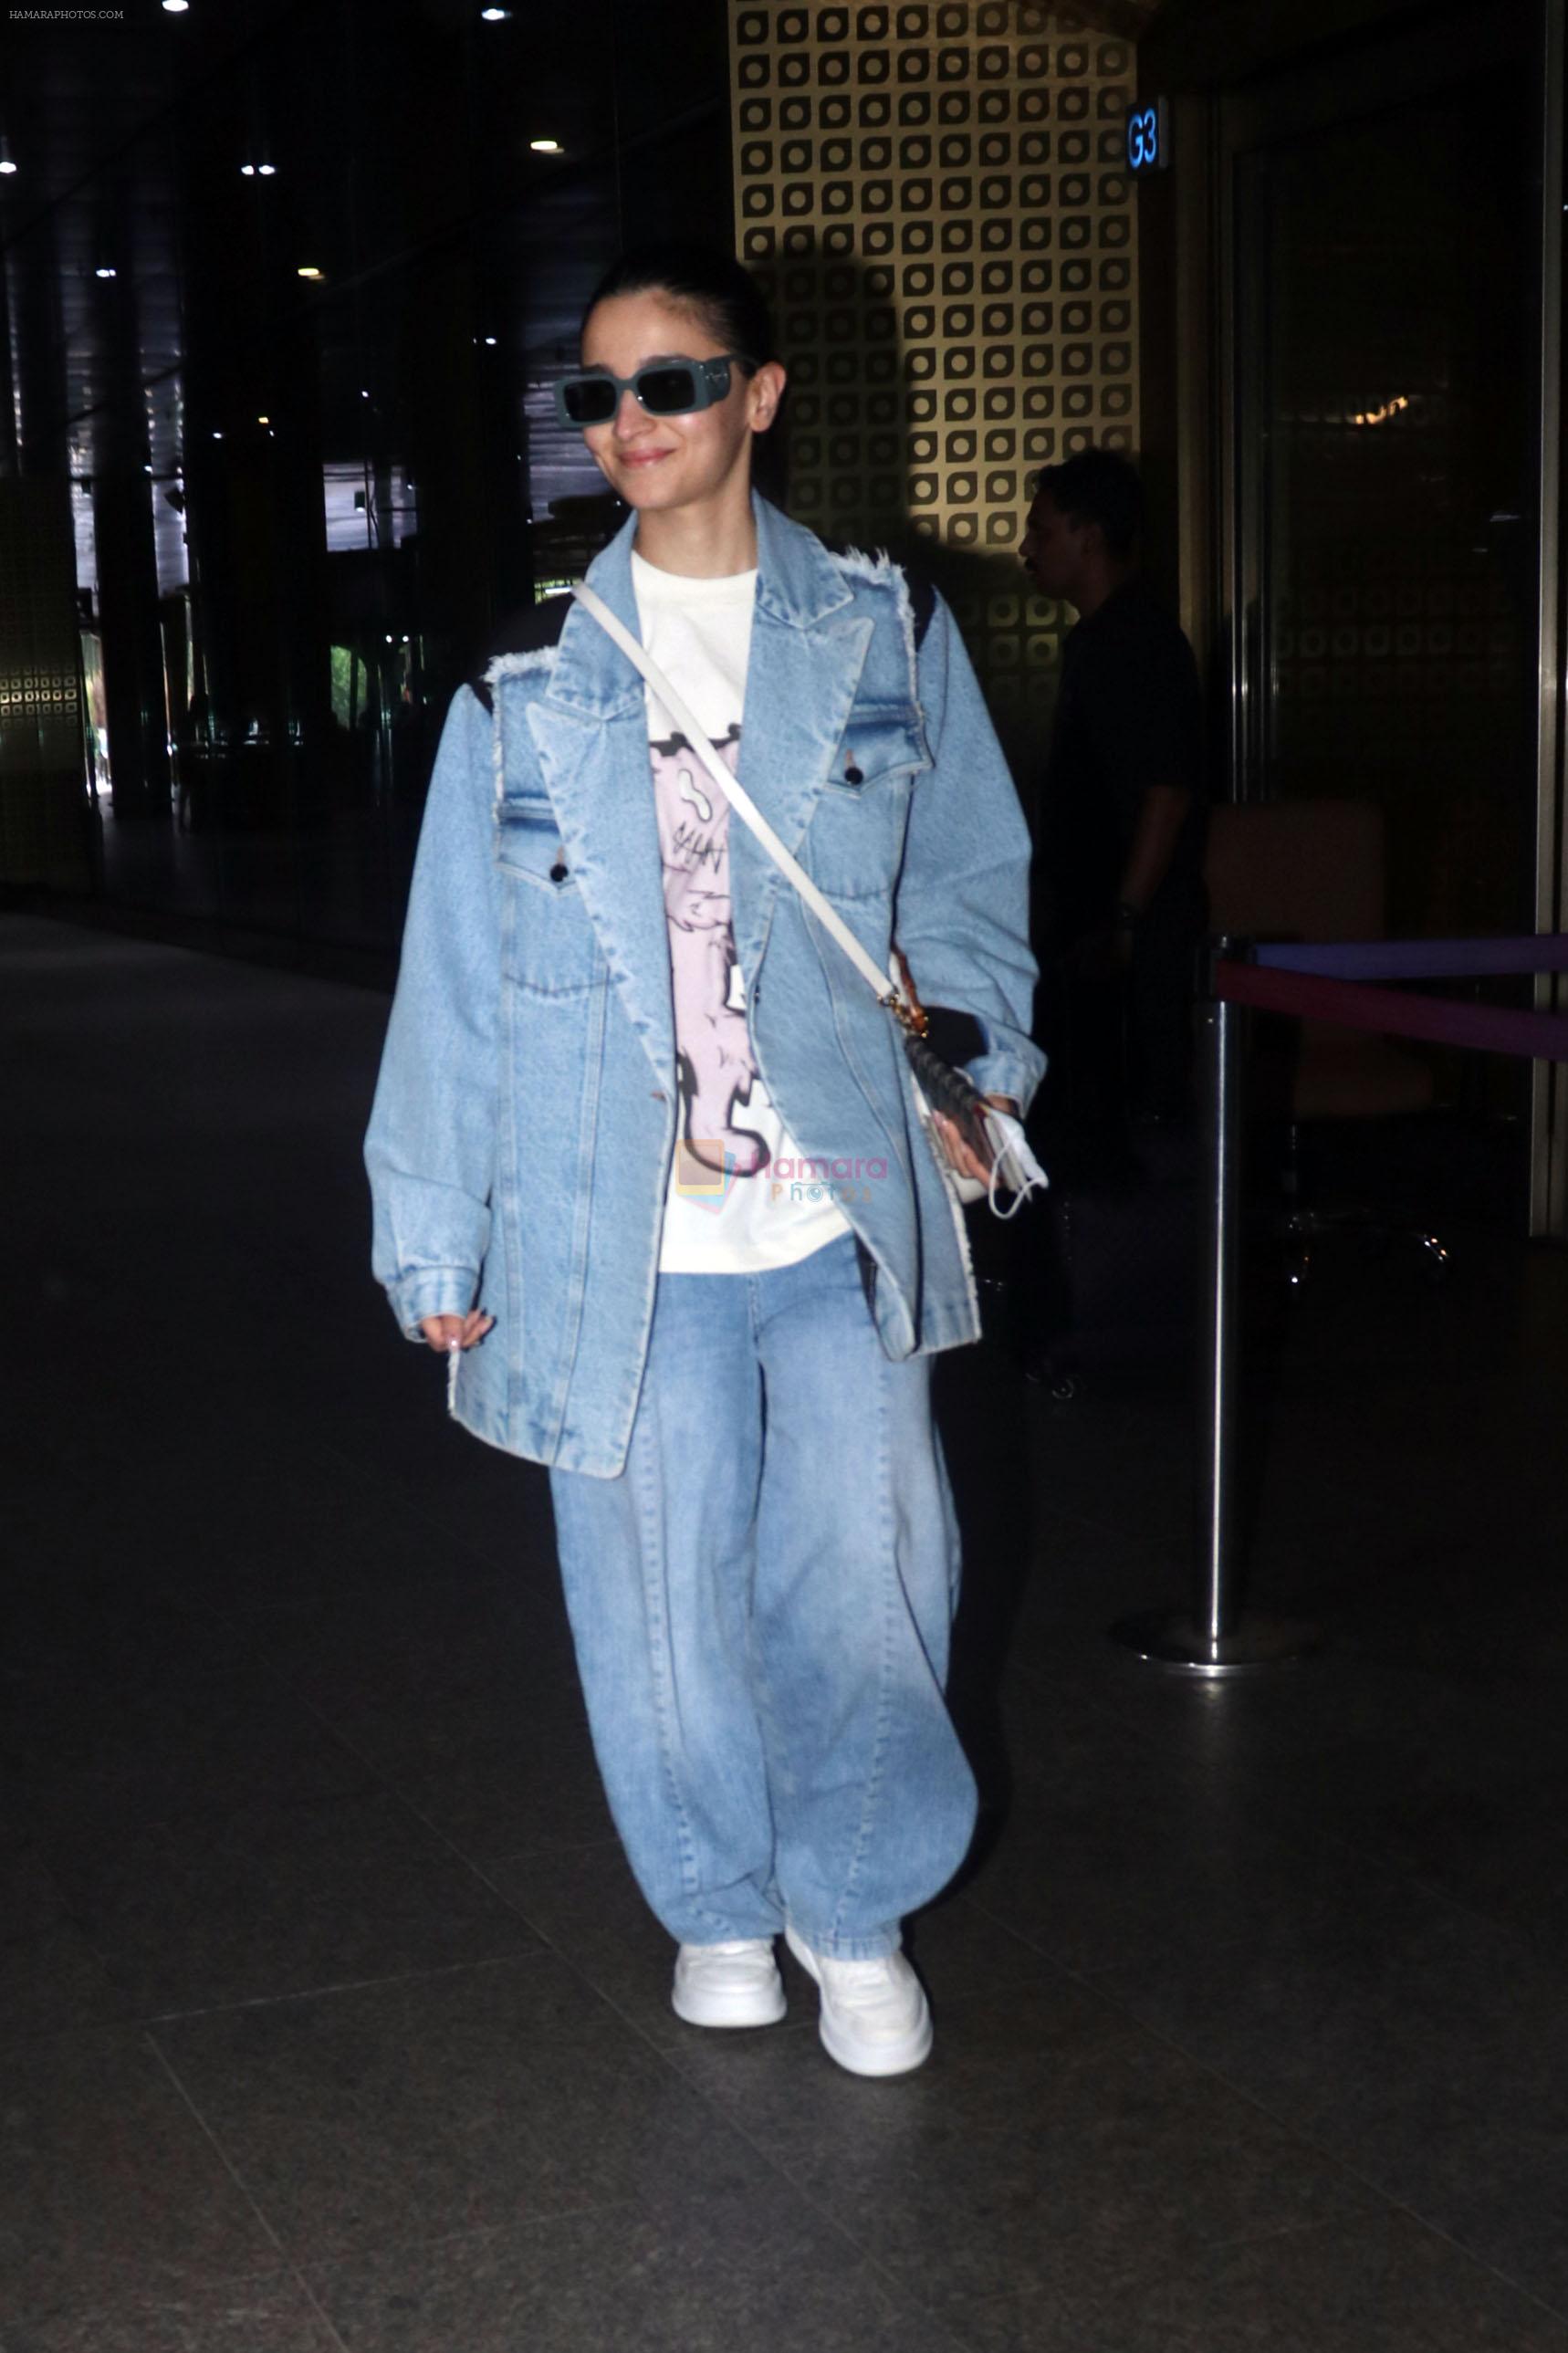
(934, 198)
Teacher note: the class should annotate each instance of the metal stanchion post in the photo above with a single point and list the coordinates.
(1216, 1598)
(1213, 1637)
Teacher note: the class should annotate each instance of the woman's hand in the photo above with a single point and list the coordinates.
(446, 1333)
(966, 1162)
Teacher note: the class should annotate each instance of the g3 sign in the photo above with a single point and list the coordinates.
(1147, 139)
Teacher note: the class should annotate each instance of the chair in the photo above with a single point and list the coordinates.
(1314, 869)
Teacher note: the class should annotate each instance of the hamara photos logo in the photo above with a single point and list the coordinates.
(705, 1172)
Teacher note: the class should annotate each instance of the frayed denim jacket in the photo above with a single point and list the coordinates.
(525, 1117)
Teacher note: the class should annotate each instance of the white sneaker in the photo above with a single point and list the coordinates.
(736, 1984)
(875, 2016)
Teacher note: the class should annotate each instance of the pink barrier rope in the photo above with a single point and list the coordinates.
(1439, 1020)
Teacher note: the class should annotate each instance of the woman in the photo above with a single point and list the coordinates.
(647, 1164)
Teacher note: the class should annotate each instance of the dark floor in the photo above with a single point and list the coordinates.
(328, 2015)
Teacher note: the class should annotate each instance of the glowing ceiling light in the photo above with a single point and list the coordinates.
(248, 171)
(105, 270)
(177, 8)
(496, 16)
(8, 161)
(1395, 407)
(307, 269)
(490, 340)
(268, 170)
(546, 146)
(264, 420)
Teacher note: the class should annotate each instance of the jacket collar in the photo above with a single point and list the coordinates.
(589, 676)
(798, 582)
(589, 731)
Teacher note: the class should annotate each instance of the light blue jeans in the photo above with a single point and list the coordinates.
(760, 1605)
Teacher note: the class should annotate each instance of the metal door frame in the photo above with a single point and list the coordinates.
(1549, 1088)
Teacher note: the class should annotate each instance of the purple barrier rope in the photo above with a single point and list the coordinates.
(1440, 1020)
(1420, 959)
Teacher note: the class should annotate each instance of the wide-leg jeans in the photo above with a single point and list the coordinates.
(760, 1605)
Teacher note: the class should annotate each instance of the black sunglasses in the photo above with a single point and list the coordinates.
(667, 389)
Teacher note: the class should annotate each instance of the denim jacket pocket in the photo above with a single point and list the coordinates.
(879, 745)
(856, 830)
(547, 946)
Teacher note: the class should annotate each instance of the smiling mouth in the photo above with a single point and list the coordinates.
(645, 457)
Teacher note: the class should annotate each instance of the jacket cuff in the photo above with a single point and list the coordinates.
(431, 1291)
(1005, 1074)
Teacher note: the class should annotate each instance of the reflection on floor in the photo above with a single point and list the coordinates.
(328, 2016)
(340, 882)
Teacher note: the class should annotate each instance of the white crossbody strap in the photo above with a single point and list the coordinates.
(881, 983)
(1013, 1165)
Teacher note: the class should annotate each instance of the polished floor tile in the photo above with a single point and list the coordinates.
(729, 2273)
(1129, 1864)
(534, 1788)
(1502, 1851)
(1044, 2126)
(271, 2312)
(587, 1906)
(1378, 2284)
(1021, 2056)
(451, 1655)
(109, 2186)
(368, 2118)
(1138, 2150)
(112, 1752)
(1429, 2051)
(330, 2017)
(277, 1898)
(50, 1978)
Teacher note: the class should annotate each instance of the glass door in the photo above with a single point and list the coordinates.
(1385, 478)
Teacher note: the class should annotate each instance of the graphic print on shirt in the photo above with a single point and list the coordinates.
(713, 1048)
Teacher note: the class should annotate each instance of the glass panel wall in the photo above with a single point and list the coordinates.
(278, 349)
(1386, 484)
(1389, 343)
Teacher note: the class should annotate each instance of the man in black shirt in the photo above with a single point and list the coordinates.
(1120, 903)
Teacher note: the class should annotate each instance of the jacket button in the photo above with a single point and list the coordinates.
(854, 776)
(558, 872)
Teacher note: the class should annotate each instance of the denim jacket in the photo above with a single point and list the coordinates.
(524, 1121)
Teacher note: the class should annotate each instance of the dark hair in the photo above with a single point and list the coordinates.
(699, 277)
(1097, 486)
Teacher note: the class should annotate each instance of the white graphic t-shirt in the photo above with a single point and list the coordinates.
(739, 1197)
